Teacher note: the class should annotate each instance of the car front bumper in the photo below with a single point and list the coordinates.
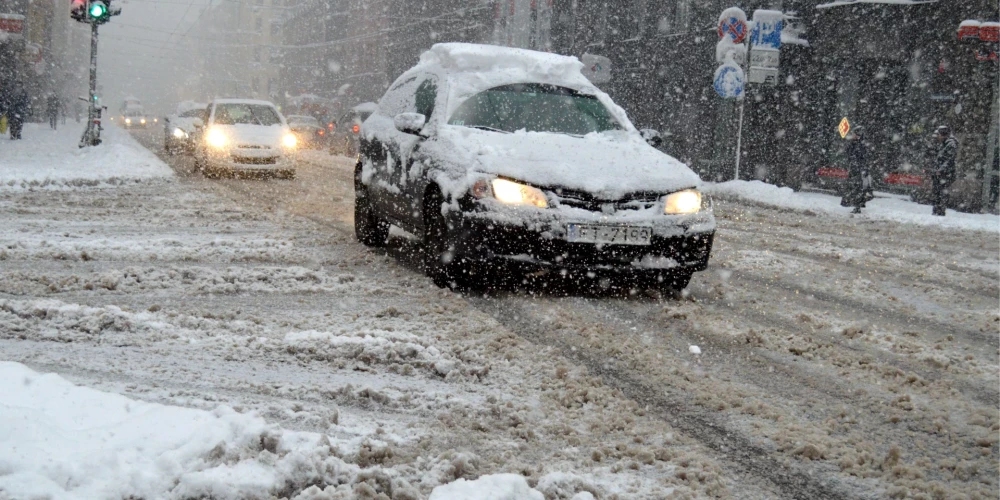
(252, 162)
(542, 246)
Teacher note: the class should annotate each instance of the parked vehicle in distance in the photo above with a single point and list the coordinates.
(508, 160)
(180, 130)
(344, 140)
(308, 131)
(245, 136)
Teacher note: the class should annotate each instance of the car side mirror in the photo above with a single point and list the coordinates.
(652, 137)
(409, 123)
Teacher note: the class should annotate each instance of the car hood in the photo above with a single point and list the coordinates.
(608, 165)
(257, 135)
(185, 124)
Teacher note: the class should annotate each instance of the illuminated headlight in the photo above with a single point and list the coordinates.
(511, 193)
(289, 141)
(216, 138)
(128, 121)
(180, 134)
(682, 202)
(142, 121)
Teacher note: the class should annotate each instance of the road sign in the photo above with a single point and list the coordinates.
(844, 128)
(767, 76)
(733, 24)
(765, 58)
(729, 81)
(767, 26)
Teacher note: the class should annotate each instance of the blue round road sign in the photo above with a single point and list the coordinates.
(729, 81)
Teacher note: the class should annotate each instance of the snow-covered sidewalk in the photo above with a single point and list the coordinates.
(881, 208)
(52, 159)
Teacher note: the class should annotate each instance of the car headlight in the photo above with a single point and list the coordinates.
(128, 121)
(289, 141)
(216, 138)
(514, 193)
(142, 121)
(180, 134)
(682, 202)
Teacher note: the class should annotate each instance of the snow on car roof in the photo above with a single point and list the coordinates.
(243, 101)
(472, 68)
(366, 107)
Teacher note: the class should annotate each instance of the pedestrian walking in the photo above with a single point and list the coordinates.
(52, 106)
(945, 149)
(859, 180)
(18, 110)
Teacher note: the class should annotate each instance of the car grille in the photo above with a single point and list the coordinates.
(254, 161)
(252, 146)
(587, 201)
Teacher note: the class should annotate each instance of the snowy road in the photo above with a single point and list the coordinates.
(839, 357)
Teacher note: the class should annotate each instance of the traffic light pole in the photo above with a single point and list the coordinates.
(92, 134)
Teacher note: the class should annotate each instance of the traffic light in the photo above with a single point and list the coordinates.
(78, 10)
(98, 11)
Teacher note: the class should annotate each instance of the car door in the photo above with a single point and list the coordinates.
(388, 147)
(405, 177)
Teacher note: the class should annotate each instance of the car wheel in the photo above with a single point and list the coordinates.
(370, 230)
(672, 283)
(443, 263)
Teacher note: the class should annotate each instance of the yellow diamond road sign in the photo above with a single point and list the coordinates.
(844, 128)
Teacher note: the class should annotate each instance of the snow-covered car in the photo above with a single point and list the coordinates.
(242, 135)
(508, 160)
(307, 130)
(345, 137)
(180, 130)
(135, 118)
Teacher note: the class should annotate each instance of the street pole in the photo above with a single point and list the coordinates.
(739, 139)
(92, 134)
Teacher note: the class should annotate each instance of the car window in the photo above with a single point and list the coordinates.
(194, 113)
(426, 96)
(400, 98)
(535, 108)
(246, 114)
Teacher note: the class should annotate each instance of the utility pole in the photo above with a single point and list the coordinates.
(94, 13)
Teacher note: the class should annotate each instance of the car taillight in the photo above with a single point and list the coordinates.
(322, 132)
(330, 126)
(356, 128)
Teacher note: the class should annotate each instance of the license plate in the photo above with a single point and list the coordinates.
(609, 234)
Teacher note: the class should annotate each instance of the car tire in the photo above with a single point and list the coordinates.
(673, 283)
(443, 263)
(369, 228)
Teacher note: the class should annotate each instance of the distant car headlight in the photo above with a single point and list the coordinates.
(142, 121)
(289, 141)
(514, 193)
(216, 138)
(682, 202)
(180, 134)
(128, 121)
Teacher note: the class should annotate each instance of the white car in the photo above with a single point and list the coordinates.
(245, 136)
(179, 130)
(508, 159)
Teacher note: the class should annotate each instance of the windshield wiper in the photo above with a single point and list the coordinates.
(491, 129)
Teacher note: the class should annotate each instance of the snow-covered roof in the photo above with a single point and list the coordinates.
(473, 58)
(841, 3)
(244, 101)
(366, 107)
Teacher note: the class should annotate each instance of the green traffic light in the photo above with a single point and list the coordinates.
(97, 10)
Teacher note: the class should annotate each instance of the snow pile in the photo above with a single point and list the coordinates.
(63, 441)
(494, 487)
(891, 209)
(50, 159)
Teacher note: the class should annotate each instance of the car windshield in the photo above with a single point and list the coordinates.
(246, 114)
(535, 108)
(303, 120)
(194, 113)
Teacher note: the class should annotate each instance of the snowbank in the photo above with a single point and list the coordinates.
(495, 487)
(53, 160)
(892, 209)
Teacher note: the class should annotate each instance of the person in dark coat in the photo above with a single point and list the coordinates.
(52, 106)
(943, 168)
(18, 110)
(859, 180)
